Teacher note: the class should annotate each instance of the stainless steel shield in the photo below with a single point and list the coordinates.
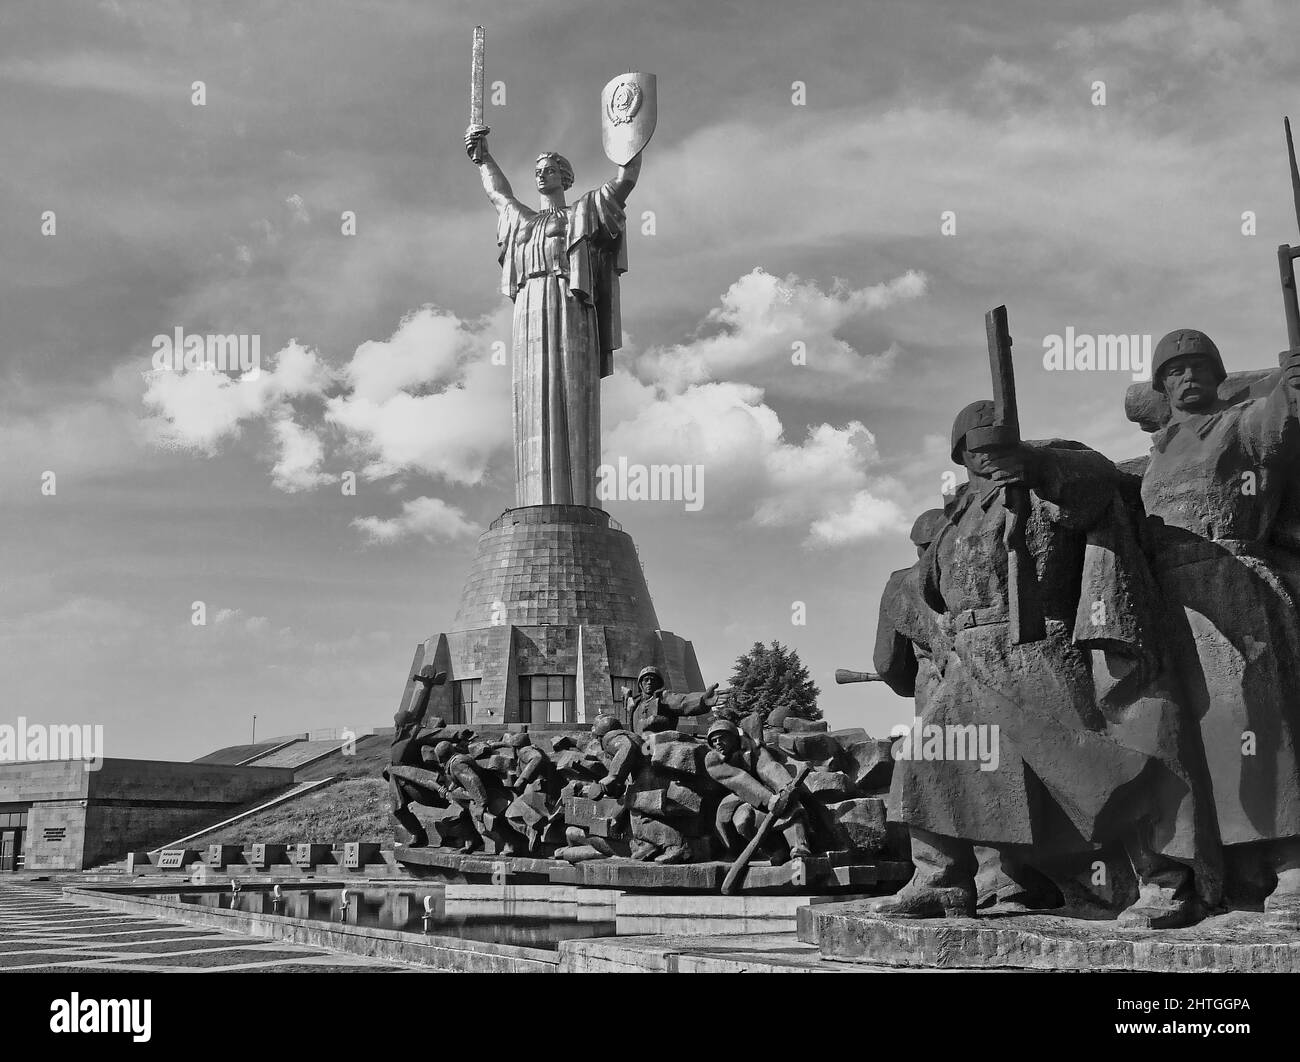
(629, 108)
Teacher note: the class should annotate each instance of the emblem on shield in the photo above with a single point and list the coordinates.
(629, 109)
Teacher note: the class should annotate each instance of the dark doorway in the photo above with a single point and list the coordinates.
(13, 826)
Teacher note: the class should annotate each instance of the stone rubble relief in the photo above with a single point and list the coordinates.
(790, 788)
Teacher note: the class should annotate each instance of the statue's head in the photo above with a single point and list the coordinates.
(982, 460)
(927, 528)
(723, 737)
(1187, 368)
(605, 724)
(553, 172)
(650, 679)
(443, 751)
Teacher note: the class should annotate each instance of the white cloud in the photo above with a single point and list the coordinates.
(197, 410)
(430, 518)
(431, 400)
(750, 470)
(425, 350)
(301, 454)
(762, 317)
(866, 517)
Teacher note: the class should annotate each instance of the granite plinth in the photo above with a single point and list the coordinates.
(558, 591)
(1239, 941)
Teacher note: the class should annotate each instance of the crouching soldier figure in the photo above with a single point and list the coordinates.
(621, 753)
(652, 708)
(536, 788)
(756, 782)
(410, 739)
(483, 797)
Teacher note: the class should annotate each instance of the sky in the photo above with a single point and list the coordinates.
(855, 181)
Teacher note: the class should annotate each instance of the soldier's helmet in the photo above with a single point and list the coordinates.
(1181, 342)
(520, 740)
(979, 414)
(927, 526)
(723, 726)
(443, 751)
(605, 724)
(654, 673)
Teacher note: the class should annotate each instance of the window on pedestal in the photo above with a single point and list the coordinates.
(464, 699)
(547, 699)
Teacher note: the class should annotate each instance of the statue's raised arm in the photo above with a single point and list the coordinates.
(494, 180)
(621, 186)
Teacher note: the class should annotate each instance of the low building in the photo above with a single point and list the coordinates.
(57, 815)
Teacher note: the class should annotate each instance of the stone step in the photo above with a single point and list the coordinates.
(1236, 941)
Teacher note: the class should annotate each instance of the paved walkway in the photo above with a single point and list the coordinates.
(41, 930)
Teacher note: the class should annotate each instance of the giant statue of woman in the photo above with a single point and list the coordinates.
(560, 264)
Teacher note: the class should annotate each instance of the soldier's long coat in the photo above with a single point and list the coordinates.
(1081, 758)
(1213, 490)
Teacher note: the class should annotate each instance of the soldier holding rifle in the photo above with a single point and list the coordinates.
(1012, 572)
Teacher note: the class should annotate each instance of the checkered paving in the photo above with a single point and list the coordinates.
(41, 930)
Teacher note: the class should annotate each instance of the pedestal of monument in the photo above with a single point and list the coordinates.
(1241, 941)
(554, 618)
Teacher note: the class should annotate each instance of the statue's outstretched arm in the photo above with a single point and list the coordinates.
(622, 185)
(494, 181)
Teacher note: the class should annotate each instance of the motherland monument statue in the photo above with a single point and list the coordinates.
(560, 264)
(555, 616)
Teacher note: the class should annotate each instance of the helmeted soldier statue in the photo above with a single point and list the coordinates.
(1218, 475)
(756, 784)
(1072, 772)
(652, 708)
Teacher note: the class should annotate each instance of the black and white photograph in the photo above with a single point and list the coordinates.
(649, 487)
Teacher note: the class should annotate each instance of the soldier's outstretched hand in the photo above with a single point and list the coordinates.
(710, 697)
(430, 676)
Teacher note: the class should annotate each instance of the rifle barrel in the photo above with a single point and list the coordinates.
(842, 676)
(1295, 173)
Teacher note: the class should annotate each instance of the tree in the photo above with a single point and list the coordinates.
(768, 678)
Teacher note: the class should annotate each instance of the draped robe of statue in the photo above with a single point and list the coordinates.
(561, 268)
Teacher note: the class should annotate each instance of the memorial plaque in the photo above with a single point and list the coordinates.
(223, 855)
(173, 858)
(311, 855)
(356, 854)
(265, 855)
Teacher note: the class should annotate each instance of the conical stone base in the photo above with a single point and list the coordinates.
(556, 565)
(555, 617)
